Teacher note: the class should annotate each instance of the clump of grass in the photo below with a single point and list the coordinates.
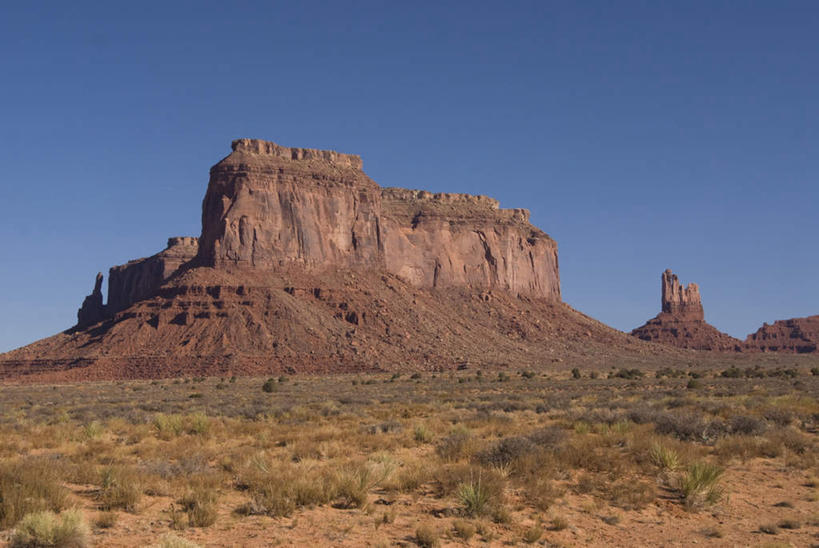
(700, 485)
(106, 520)
(542, 492)
(463, 529)
(664, 457)
(26, 487)
(42, 529)
(558, 523)
(475, 496)
(172, 541)
(422, 434)
(168, 426)
(200, 507)
(712, 532)
(427, 536)
(532, 534)
(119, 488)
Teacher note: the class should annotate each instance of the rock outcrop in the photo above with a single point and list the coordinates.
(140, 278)
(446, 240)
(799, 335)
(92, 309)
(681, 321)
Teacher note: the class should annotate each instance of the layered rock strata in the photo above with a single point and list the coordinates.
(799, 335)
(681, 321)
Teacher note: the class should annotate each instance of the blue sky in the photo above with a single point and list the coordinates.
(642, 135)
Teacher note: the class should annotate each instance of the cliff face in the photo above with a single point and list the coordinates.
(681, 321)
(440, 240)
(269, 206)
(799, 335)
(138, 279)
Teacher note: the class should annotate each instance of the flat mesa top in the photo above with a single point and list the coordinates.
(269, 148)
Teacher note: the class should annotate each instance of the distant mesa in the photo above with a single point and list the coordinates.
(681, 322)
(799, 335)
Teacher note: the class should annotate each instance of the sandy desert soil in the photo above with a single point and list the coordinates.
(505, 459)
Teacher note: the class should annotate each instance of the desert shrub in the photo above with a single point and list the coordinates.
(549, 437)
(463, 529)
(172, 541)
(269, 385)
(119, 488)
(700, 485)
(168, 426)
(427, 536)
(200, 507)
(576, 373)
(278, 489)
(778, 416)
(422, 434)
(689, 427)
(542, 492)
(47, 529)
(199, 424)
(506, 451)
(631, 495)
(457, 445)
(353, 485)
(532, 534)
(106, 520)
(558, 523)
(746, 425)
(631, 374)
(789, 439)
(28, 486)
(480, 493)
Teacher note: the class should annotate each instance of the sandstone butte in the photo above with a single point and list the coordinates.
(681, 323)
(305, 264)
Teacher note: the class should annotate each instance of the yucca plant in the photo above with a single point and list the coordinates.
(664, 457)
(700, 485)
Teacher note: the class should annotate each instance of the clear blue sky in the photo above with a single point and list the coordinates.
(642, 135)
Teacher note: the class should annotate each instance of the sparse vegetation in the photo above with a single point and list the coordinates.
(511, 462)
(47, 529)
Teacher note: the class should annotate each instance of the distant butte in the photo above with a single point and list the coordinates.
(681, 321)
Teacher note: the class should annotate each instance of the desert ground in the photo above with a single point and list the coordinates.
(724, 456)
